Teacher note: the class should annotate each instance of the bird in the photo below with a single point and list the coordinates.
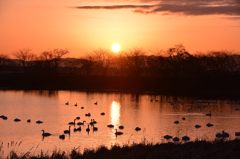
(29, 120)
(88, 128)
(95, 103)
(118, 132)
(110, 126)
(62, 136)
(82, 107)
(209, 125)
(176, 122)
(78, 118)
(94, 121)
(67, 103)
(67, 131)
(75, 104)
(167, 137)
(223, 134)
(137, 128)
(176, 139)
(121, 127)
(17, 120)
(45, 134)
(72, 123)
(39, 122)
(81, 123)
(88, 114)
(237, 109)
(197, 126)
(95, 128)
(237, 133)
(185, 138)
(102, 113)
(77, 129)
(209, 114)
(91, 123)
(183, 118)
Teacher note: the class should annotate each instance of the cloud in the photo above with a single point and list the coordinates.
(184, 7)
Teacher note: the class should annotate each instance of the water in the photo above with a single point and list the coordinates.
(155, 118)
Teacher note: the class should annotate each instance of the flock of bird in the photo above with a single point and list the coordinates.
(74, 123)
(186, 138)
(93, 122)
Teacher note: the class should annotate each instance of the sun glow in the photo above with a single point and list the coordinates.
(115, 47)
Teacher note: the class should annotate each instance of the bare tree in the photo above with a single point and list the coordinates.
(25, 56)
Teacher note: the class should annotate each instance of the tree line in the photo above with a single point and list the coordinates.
(174, 62)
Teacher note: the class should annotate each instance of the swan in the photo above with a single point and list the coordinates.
(176, 139)
(78, 118)
(72, 123)
(121, 127)
(118, 132)
(102, 113)
(91, 123)
(62, 136)
(209, 125)
(167, 137)
(209, 114)
(29, 120)
(137, 128)
(110, 126)
(185, 138)
(95, 103)
(95, 128)
(82, 107)
(67, 131)
(237, 133)
(183, 118)
(197, 126)
(77, 129)
(88, 128)
(88, 114)
(237, 109)
(176, 122)
(17, 120)
(94, 122)
(39, 122)
(223, 134)
(3, 116)
(75, 104)
(81, 123)
(45, 134)
(67, 103)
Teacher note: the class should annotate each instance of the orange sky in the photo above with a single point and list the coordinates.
(82, 27)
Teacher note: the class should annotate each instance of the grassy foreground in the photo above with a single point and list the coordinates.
(198, 149)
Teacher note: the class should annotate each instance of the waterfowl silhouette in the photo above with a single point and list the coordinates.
(137, 129)
(176, 122)
(39, 122)
(77, 129)
(62, 136)
(183, 118)
(82, 107)
(95, 103)
(102, 113)
(121, 127)
(45, 134)
(67, 103)
(110, 126)
(223, 134)
(75, 105)
(88, 128)
(94, 122)
(118, 132)
(29, 120)
(197, 126)
(81, 123)
(209, 114)
(185, 138)
(72, 123)
(209, 125)
(167, 137)
(88, 114)
(67, 131)
(95, 128)
(176, 139)
(237, 133)
(17, 120)
(78, 118)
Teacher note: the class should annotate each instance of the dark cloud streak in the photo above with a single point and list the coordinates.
(184, 7)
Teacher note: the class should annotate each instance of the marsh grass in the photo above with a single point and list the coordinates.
(219, 148)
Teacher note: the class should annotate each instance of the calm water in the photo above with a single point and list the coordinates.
(156, 118)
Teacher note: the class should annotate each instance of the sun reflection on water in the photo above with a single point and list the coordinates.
(115, 113)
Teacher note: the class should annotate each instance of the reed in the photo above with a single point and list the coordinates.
(218, 148)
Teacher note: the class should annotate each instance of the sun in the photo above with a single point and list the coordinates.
(115, 47)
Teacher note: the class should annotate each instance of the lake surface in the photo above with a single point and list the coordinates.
(154, 114)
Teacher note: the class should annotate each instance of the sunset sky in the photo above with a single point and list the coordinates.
(84, 26)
